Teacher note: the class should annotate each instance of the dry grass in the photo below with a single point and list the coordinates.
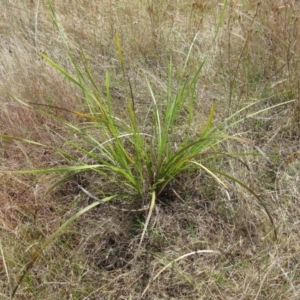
(256, 55)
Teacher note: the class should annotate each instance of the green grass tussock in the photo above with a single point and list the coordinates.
(149, 150)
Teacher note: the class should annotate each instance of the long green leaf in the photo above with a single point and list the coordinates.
(10, 137)
(55, 170)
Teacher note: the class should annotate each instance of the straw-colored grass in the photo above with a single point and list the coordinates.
(207, 236)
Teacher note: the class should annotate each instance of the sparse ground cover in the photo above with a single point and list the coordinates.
(207, 238)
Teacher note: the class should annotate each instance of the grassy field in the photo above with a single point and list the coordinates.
(183, 115)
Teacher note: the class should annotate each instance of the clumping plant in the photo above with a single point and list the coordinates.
(137, 161)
